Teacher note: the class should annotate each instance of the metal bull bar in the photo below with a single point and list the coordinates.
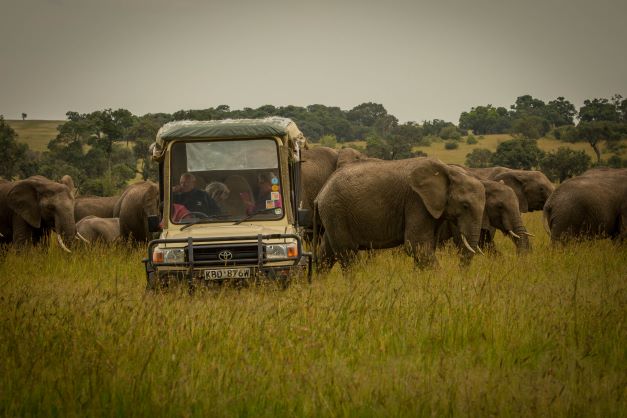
(231, 243)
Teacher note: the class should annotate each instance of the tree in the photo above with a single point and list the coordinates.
(479, 158)
(24, 115)
(597, 110)
(16, 161)
(367, 113)
(518, 153)
(486, 120)
(594, 133)
(564, 163)
(527, 106)
(530, 126)
(560, 112)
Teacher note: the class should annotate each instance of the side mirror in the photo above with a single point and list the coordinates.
(154, 223)
(305, 218)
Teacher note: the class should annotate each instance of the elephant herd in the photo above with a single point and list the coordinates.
(358, 203)
(33, 207)
(364, 203)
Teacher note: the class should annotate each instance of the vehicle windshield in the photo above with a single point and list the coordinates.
(225, 181)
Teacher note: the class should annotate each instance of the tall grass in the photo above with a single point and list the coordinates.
(543, 334)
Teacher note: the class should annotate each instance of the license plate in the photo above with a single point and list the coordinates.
(221, 274)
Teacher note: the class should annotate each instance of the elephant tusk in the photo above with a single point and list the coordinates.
(513, 234)
(82, 238)
(60, 241)
(465, 241)
(528, 233)
(479, 251)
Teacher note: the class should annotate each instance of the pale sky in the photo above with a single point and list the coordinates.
(420, 59)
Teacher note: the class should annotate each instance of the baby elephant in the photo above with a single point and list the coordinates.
(92, 228)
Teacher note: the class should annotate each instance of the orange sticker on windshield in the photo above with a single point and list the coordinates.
(275, 188)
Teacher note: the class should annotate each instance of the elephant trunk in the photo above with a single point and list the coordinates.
(520, 237)
(470, 243)
(65, 228)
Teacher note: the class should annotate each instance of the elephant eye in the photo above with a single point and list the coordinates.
(465, 205)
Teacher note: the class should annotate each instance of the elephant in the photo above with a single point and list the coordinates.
(592, 205)
(501, 212)
(31, 208)
(99, 206)
(532, 187)
(317, 166)
(92, 228)
(137, 202)
(384, 204)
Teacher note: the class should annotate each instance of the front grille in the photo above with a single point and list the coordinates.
(240, 254)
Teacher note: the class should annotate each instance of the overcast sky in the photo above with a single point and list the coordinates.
(420, 59)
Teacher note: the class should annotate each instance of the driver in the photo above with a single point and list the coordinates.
(195, 200)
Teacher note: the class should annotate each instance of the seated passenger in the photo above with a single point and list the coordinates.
(264, 200)
(193, 199)
(219, 192)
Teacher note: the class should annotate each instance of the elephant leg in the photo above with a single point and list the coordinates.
(347, 258)
(326, 257)
(486, 241)
(22, 231)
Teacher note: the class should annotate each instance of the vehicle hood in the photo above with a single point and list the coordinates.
(226, 231)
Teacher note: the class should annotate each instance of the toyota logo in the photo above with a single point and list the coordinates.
(225, 255)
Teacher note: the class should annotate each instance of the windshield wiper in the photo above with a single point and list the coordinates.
(250, 215)
(203, 220)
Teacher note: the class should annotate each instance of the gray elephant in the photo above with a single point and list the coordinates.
(532, 187)
(317, 166)
(99, 206)
(137, 202)
(593, 205)
(93, 229)
(373, 205)
(31, 208)
(501, 212)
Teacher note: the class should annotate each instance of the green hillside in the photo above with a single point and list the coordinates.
(35, 133)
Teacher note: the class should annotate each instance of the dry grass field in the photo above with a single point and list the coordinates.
(36, 133)
(539, 335)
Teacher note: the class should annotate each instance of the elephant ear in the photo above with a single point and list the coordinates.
(151, 199)
(347, 156)
(510, 179)
(23, 199)
(69, 182)
(429, 179)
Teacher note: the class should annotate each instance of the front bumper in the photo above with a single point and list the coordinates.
(200, 255)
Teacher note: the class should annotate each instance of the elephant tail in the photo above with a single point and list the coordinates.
(315, 233)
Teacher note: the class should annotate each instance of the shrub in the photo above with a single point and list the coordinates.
(328, 141)
(450, 132)
(479, 158)
(471, 140)
(564, 163)
(518, 153)
(616, 162)
(451, 145)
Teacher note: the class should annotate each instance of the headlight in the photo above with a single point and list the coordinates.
(281, 250)
(168, 255)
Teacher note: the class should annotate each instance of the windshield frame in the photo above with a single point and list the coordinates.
(222, 219)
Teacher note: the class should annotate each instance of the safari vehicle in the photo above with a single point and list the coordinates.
(251, 228)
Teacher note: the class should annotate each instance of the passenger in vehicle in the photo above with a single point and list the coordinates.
(195, 200)
(268, 185)
(218, 191)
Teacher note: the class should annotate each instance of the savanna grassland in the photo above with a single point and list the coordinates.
(539, 335)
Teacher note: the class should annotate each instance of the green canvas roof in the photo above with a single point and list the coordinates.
(239, 128)
(228, 128)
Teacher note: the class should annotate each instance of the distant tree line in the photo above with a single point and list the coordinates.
(104, 149)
